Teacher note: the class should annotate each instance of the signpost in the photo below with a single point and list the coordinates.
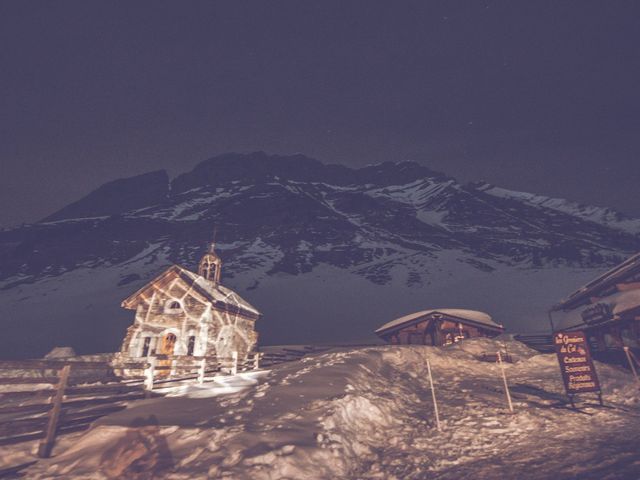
(433, 395)
(504, 380)
(578, 372)
(631, 358)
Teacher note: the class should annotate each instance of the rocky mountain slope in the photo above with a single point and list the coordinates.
(327, 252)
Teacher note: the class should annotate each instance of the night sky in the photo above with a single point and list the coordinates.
(533, 95)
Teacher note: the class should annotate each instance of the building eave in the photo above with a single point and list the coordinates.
(604, 281)
(382, 331)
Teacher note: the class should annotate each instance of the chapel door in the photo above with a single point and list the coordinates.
(168, 344)
(166, 348)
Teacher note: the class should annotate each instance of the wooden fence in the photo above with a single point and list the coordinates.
(40, 399)
(163, 371)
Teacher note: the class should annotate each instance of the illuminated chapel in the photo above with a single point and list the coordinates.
(185, 313)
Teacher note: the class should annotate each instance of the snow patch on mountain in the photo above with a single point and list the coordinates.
(601, 215)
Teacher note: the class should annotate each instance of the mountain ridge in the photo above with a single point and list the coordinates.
(408, 235)
(256, 166)
(286, 200)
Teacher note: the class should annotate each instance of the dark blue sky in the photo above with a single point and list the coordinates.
(538, 96)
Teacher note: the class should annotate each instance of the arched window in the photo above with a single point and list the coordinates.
(168, 344)
(208, 270)
(209, 267)
(173, 306)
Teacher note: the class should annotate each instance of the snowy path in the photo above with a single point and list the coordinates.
(367, 413)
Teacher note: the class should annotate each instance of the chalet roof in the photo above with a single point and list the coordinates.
(620, 303)
(464, 316)
(219, 296)
(605, 280)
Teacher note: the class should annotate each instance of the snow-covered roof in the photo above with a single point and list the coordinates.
(217, 292)
(604, 280)
(472, 316)
(212, 291)
(619, 303)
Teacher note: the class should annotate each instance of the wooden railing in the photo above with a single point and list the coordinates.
(162, 369)
(62, 401)
(40, 399)
(165, 370)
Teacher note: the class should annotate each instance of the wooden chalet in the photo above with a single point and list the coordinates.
(438, 327)
(185, 313)
(607, 309)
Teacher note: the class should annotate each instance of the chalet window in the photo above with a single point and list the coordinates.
(191, 345)
(628, 337)
(145, 346)
(415, 338)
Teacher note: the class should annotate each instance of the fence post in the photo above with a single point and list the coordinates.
(256, 361)
(631, 364)
(504, 379)
(46, 445)
(234, 366)
(149, 373)
(203, 364)
(433, 395)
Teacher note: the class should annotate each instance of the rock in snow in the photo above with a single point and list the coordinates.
(367, 413)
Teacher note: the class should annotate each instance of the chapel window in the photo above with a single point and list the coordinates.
(191, 345)
(174, 306)
(145, 346)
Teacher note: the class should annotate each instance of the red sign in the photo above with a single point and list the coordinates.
(577, 368)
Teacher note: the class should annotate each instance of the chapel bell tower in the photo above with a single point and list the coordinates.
(210, 265)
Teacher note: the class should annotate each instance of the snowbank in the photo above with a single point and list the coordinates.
(367, 413)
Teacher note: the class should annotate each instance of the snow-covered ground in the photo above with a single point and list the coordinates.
(367, 413)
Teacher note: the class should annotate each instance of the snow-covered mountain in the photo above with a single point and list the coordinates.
(326, 252)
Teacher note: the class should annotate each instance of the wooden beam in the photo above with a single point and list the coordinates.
(50, 365)
(28, 394)
(624, 287)
(102, 390)
(68, 404)
(22, 425)
(45, 447)
(81, 416)
(22, 410)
